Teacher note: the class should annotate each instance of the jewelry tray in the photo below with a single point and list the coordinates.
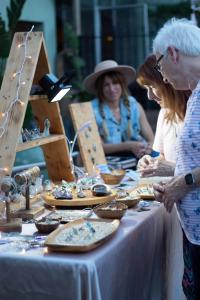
(89, 200)
(81, 235)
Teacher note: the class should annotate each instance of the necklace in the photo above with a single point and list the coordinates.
(115, 110)
(116, 113)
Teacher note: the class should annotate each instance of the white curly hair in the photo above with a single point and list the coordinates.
(182, 34)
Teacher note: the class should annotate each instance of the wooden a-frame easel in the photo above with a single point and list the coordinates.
(54, 147)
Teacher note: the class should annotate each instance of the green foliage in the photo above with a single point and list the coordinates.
(14, 13)
(5, 39)
(74, 63)
(161, 13)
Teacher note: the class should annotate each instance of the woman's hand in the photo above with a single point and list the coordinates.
(144, 162)
(139, 148)
(155, 167)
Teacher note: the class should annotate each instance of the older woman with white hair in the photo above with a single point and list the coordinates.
(177, 48)
(121, 120)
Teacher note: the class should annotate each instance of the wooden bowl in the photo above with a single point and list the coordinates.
(46, 226)
(112, 210)
(129, 201)
(113, 178)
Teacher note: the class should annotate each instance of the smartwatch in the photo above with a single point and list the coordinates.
(189, 179)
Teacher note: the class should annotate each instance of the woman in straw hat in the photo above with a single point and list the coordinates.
(121, 120)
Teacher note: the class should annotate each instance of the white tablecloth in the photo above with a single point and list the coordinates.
(129, 266)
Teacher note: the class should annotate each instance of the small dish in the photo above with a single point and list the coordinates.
(145, 192)
(46, 226)
(129, 200)
(112, 210)
(113, 178)
(99, 190)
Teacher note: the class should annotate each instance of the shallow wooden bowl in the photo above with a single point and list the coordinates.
(113, 178)
(44, 226)
(112, 210)
(129, 201)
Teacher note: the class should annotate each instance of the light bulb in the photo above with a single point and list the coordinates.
(20, 102)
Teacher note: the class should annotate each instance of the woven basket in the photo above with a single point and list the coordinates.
(112, 210)
(113, 178)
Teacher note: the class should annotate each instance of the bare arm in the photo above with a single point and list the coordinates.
(155, 167)
(146, 130)
(137, 148)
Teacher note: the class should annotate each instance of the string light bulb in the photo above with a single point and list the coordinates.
(22, 44)
(20, 101)
(3, 170)
(14, 75)
(19, 84)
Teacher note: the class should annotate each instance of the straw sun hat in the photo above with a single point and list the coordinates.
(104, 67)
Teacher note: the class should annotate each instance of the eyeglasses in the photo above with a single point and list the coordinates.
(157, 65)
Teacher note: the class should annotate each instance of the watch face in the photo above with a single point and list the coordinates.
(189, 179)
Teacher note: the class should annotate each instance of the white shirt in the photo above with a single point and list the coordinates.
(166, 136)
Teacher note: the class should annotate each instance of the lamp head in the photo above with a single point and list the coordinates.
(55, 88)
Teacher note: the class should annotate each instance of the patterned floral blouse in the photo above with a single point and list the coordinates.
(188, 158)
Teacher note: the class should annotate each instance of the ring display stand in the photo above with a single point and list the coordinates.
(9, 224)
(26, 178)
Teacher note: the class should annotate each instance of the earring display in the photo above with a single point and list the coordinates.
(89, 141)
(94, 147)
(93, 160)
(86, 135)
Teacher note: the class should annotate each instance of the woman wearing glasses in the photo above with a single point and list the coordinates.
(170, 119)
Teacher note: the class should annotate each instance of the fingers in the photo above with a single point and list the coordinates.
(144, 162)
(158, 196)
(147, 172)
(159, 187)
(168, 204)
(148, 150)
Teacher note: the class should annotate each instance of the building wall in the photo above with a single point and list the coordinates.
(43, 11)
